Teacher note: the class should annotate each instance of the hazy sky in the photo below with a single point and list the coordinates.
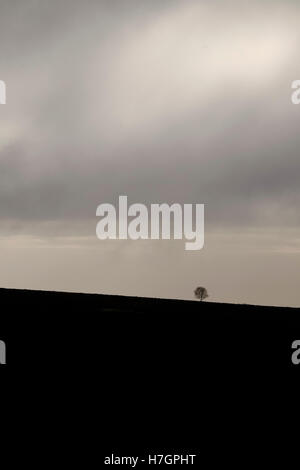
(163, 101)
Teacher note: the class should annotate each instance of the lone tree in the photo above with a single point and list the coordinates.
(200, 293)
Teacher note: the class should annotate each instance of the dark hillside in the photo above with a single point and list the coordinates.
(173, 325)
(162, 368)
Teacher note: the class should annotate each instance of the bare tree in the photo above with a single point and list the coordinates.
(200, 293)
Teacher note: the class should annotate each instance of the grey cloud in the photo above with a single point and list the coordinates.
(163, 101)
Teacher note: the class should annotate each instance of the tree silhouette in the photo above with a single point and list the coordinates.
(200, 293)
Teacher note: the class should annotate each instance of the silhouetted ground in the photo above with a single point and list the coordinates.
(162, 372)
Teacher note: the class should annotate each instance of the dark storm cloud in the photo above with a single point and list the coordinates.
(162, 101)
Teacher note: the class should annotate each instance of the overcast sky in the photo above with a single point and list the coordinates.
(163, 101)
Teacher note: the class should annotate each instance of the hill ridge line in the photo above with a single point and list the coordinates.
(128, 298)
